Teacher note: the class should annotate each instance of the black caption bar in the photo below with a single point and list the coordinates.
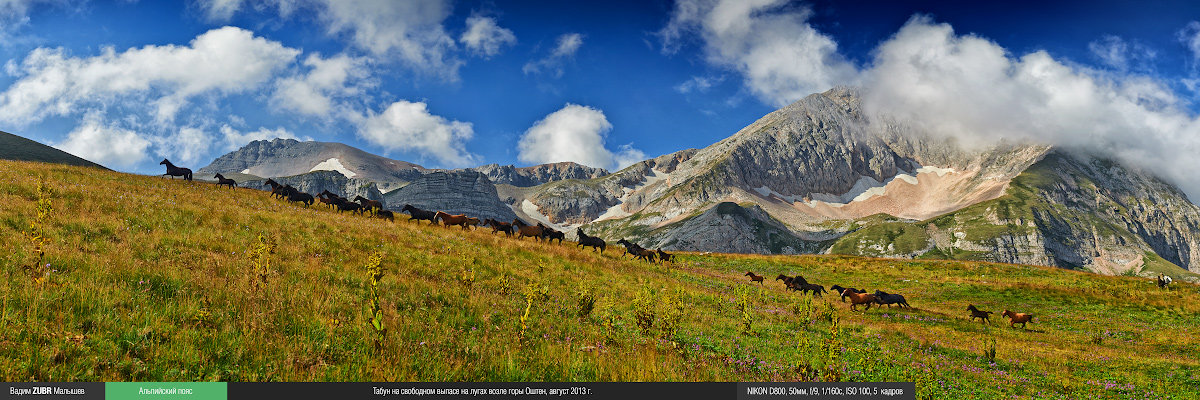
(457, 391)
(53, 391)
(480, 391)
(827, 390)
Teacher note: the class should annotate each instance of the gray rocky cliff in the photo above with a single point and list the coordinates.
(456, 192)
(538, 174)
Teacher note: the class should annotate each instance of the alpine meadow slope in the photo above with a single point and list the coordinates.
(119, 277)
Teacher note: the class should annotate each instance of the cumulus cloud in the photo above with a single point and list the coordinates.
(769, 42)
(410, 127)
(574, 133)
(106, 145)
(327, 78)
(564, 50)
(970, 88)
(19, 9)
(234, 139)
(411, 30)
(225, 60)
(484, 37)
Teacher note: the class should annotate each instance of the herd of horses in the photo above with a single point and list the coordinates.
(361, 205)
(859, 296)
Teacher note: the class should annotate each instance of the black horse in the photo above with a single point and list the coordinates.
(300, 197)
(590, 241)
(549, 234)
(221, 180)
(174, 171)
(882, 297)
(277, 190)
(419, 214)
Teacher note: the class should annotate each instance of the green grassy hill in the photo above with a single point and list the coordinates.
(13, 147)
(145, 278)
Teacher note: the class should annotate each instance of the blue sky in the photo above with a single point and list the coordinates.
(453, 84)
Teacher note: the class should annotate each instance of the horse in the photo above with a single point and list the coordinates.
(754, 278)
(977, 313)
(590, 241)
(447, 219)
(472, 221)
(549, 234)
(498, 226)
(637, 251)
(300, 197)
(221, 180)
(385, 214)
(790, 282)
(174, 171)
(523, 230)
(816, 289)
(349, 206)
(664, 256)
(840, 289)
(1017, 318)
(277, 190)
(331, 199)
(858, 298)
(882, 297)
(419, 214)
(1163, 281)
(368, 204)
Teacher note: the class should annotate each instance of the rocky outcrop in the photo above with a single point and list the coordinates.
(538, 174)
(730, 228)
(316, 182)
(455, 192)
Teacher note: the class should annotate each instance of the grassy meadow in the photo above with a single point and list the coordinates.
(149, 279)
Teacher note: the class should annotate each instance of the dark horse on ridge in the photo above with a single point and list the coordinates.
(174, 171)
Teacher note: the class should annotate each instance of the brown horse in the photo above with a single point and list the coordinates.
(447, 219)
(754, 278)
(385, 214)
(331, 199)
(977, 313)
(472, 222)
(858, 298)
(1017, 318)
(524, 230)
(595, 242)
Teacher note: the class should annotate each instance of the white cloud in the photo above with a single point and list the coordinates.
(574, 133)
(699, 84)
(184, 147)
(1111, 50)
(770, 43)
(19, 9)
(1190, 37)
(970, 88)
(313, 93)
(105, 145)
(484, 37)
(220, 10)
(411, 30)
(234, 139)
(567, 45)
(224, 60)
(1121, 55)
(410, 127)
